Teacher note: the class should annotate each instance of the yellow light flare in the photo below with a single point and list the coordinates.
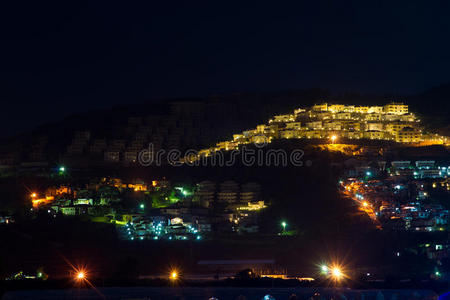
(365, 204)
(333, 138)
(336, 273)
(174, 275)
(80, 274)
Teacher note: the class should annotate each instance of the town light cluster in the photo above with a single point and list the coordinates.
(336, 122)
(383, 199)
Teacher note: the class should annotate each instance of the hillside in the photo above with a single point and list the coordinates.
(190, 123)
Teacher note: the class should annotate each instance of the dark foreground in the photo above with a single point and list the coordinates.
(220, 293)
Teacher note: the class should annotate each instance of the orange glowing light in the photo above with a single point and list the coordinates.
(39, 201)
(333, 138)
(81, 275)
(33, 195)
(365, 204)
(174, 275)
(336, 273)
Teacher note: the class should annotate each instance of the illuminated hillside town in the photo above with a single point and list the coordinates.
(194, 126)
(340, 124)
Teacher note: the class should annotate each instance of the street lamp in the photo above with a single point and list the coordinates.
(333, 138)
(336, 273)
(284, 224)
(174, 275)
(80, 275)
(142, 206)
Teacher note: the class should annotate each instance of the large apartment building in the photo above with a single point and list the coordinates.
(396, 108)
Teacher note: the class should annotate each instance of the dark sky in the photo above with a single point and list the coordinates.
(65, 57)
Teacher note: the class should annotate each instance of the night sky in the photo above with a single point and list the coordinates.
(59, 58)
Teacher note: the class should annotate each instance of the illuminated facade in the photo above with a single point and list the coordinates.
(392, 122)
(408, 135)
(320, 107)
(396, 108)
(374, 135)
